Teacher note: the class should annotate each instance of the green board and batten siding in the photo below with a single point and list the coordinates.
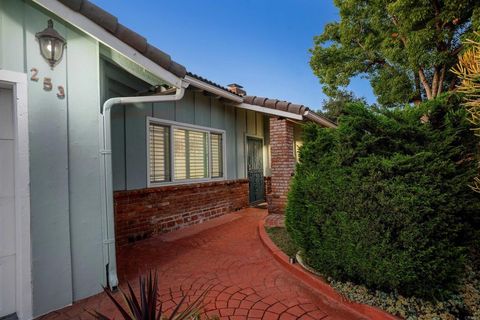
(67, 261)
(129, 145)
(66, 208)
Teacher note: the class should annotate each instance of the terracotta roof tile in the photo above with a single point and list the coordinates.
(276, 104)
(139, 43)
(99, 16)
(271, 103)
(130, 37)
(196, 76)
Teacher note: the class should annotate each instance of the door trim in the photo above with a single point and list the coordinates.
(245, 144)
(18, 82)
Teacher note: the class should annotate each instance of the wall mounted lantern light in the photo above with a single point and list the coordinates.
(51, 43)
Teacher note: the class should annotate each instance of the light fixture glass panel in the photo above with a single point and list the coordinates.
(58, 50)
(46, 46)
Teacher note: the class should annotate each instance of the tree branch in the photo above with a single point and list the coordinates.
(425, 84)
(436, 6)
(453, 84)
(377, 61)
(435, 82)
(418, 91)
(402, 38)
(442, 78)
(457, 50)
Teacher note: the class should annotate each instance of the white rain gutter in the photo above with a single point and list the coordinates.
(270, 111)
(108, 221)
(213, 89)
(317, 119)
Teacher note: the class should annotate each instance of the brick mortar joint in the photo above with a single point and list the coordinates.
(179, 187)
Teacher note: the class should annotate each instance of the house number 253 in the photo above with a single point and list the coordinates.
(47, 83)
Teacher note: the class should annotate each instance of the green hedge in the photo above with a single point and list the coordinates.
(383, 200)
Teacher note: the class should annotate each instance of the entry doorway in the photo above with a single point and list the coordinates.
(15, 264)
(255, 170)
(7, 203)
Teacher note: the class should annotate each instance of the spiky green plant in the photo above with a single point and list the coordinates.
(468, 71)
(147, 306)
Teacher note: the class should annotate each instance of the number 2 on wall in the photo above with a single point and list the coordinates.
(34, 72)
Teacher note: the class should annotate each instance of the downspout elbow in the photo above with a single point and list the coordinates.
(107, 105)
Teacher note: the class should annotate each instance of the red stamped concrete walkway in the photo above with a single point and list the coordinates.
(244, 280)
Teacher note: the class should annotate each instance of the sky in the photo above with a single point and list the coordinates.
(262, 45)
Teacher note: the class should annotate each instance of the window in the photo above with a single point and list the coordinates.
(216, 147)
(159, 153)
(190, 154)
(184, 153)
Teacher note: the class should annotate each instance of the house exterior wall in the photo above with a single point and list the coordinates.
(143, 213)
(282, 139)
(140, 211)
(298, 139)
(64, 133)
(129, 144)
(67, 260)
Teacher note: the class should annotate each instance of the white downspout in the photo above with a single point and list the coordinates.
(108, 228)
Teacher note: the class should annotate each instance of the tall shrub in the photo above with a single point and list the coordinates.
(383, 200)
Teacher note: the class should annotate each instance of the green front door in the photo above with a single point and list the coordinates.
(255, 169)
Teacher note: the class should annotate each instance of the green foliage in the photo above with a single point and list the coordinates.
(333, 107)
(282, 239)
(384, 199)
(411, 308)
(468, 71)
(147, 305)
(404, 47)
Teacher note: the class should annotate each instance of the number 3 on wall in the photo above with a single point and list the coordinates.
(61, 92)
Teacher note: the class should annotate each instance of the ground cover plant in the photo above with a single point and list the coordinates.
(463, 305)
(282, 240)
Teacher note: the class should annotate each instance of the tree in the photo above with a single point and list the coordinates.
(404, 47)
(335, 105)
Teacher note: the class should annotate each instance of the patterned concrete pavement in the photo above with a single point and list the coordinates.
(242, 278)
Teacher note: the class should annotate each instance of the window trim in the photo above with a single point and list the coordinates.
(210, 154)
(168, 158)
(180, 125)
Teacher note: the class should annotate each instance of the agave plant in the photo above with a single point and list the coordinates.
(147, 306)
(468, 71)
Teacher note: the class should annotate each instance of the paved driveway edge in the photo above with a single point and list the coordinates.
(318, 284)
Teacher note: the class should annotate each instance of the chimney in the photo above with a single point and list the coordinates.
(237, 89)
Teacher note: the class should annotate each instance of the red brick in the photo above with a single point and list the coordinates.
(283, 164)
(143, 213)
(255, 313)
(215, 260)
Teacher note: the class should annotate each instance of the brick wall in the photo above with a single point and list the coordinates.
(282, 161)
(268, 185)
(140, 214)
